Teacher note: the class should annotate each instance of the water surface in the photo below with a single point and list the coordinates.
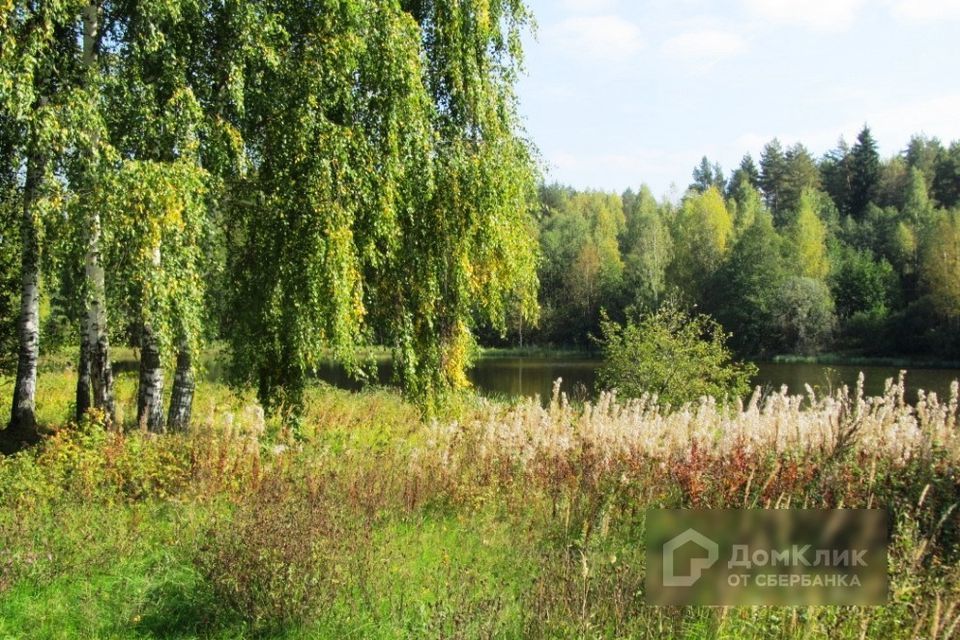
(529, 376)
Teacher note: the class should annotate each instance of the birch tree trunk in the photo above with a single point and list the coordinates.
(150, 392)
(181, 398)
(83, 376)
(101, 373)
(23, 418)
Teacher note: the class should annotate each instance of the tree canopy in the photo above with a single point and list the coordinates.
(847, 252)
(341, 173)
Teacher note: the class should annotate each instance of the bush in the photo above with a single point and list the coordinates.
(678, 357)
(88, 462)
(271, 563)
(869, 332)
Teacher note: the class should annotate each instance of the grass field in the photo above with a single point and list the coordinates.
(493, 520)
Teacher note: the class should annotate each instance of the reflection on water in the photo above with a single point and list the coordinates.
(499, 377)
(513, 377)
(827, 377)
(535, 376)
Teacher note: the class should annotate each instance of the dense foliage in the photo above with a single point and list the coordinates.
(298, 179)
(672, 357)
(302, 181)
(9, 276)
(794, 255)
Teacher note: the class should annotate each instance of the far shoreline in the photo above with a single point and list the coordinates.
(828, 359)
(823, 359)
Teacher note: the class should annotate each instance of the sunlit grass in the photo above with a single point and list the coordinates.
(493, 520)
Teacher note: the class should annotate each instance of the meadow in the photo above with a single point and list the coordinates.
(495, 519)
(297, 181)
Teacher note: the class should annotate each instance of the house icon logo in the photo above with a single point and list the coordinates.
(697, 565)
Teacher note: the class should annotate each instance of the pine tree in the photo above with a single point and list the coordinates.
(703, 176)
(835, 174)
(864, 173)
(747, 174)
(773, 168)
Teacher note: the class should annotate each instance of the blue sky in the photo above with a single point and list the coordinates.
(620, 92)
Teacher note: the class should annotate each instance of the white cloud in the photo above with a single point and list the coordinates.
(926, 10)
(824, 15)
(589, 6)
(708, 44)
(607, 38)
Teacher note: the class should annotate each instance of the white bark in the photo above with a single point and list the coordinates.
(150, 391)
(23, 415)
(97, 339)
(181, 398)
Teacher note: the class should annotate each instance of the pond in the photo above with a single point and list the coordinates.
(529, 376)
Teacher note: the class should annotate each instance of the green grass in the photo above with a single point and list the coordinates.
(402, 528)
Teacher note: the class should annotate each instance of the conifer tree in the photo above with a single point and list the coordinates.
(864, 173)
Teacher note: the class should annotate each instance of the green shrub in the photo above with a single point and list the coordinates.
(674, 355)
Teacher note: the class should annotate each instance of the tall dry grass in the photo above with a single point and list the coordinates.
(531, 437)
(522, 520)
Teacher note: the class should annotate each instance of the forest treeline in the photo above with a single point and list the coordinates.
(296, 178)
(300, 180)
(792, 254)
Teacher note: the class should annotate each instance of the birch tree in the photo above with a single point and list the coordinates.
(37, 103)
(466, 254)
(95, 341)
(389, 193)
(154, 216)
(159, 124)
